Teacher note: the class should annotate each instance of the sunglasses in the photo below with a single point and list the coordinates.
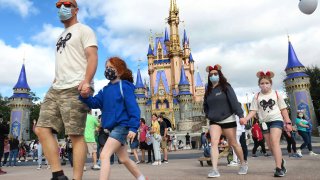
(66, 4)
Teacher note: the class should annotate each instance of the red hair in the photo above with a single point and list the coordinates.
(122, 69)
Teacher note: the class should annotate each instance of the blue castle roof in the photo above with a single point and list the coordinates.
(293, 61)
(150, 52)
(199, 82)
(22, 81)
(21, 95)
(296, 74)
(183, 77)
(166, 36)
(164, 47)
(185, 38)
(191, 58)
(161, 75)
(139, 83)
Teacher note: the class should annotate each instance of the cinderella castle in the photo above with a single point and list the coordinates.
(176, 91)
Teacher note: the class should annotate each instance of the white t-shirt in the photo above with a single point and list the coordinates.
(268, 106)
(71, 61)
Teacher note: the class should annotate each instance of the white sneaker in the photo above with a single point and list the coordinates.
(155, 163)
(19, 161)
(48, 167)
(299, 152)
(84, 168)
(213, 174)
(137, 162)
(96, 167)
(311, 153)
(39, 167)
(232, 164)
(159, 163)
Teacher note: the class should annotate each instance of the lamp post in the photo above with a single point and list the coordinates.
(308, 6)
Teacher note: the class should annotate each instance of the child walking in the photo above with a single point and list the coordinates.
(120, 115)
(273, 114)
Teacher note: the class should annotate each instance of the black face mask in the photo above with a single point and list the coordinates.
(110, 74)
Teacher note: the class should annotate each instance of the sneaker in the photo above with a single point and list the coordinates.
(155, 163)
(243, 169)
(266, 155)
(299, 152)
(165, 161)
(278, 173)
(232, 164)
(283, 168)
(96, 167)
(159, 162)
(48, 167)
(311, 153)
(39, 167)
(60, 178)
(254, 155)
(33, 160)
(137, 162)
(213, 174)
(26, 160)
(142, 162)
(84, 168)
(19, 161)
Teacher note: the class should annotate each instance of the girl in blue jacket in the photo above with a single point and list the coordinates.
(120, 115)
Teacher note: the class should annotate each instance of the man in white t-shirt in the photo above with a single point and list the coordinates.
(76, 63)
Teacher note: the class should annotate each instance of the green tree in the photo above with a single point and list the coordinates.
(4, 108)
(314, 74)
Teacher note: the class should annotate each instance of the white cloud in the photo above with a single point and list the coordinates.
(23, 7)
(48, 36)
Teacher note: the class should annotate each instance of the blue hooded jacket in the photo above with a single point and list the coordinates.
(117, 110)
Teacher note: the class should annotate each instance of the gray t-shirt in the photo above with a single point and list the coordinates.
(219, 105)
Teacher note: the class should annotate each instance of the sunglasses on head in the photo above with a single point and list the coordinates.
(66, 4)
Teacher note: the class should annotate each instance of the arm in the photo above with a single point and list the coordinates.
(234, 103)
(251, 114)
(93, 102)
(205, 106)
(131, 107)
(92, 58)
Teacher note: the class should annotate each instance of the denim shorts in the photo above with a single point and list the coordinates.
(120, 133)
(134, 144)
(272, 124)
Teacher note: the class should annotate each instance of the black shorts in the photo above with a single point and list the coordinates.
(143, 145)
(225, 125)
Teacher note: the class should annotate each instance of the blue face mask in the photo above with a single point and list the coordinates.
(214, 79)
(64, 13)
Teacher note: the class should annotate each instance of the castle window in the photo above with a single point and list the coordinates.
(167, 103)
(157, 104)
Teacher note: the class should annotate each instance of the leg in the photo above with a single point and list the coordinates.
(305, 139)
(215, 133)
(79, 151)
(5, 157)
(130, 165)
(255, 146)
(244, 145)
(50, 147)
(263, 147)
(143, 151)
(15, 155)
(231, 136)
(10, 157)
(288, 139)
(135, 154)
(309, 142)
(267, 139)
(39, 154)
(294, 144)
(113, 145)
(275, 135)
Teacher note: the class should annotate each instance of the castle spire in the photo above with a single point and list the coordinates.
(293, 61)
(22, 81)
(150, 52)
(185, 38)
(139, 83)
(166, 36)
(183, 78)
(199, 82)
(191, 58)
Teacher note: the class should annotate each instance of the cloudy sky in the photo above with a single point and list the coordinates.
(242, 36)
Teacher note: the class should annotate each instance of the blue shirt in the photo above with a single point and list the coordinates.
(117, 110)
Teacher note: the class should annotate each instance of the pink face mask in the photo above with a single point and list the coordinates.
(265, 87)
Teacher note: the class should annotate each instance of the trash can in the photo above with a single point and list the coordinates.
(193, 144)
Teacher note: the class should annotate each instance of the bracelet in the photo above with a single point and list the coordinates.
(289, 123)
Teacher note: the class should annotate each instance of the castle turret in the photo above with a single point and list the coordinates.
(185, 96)
(140, 95)
(297, 85)
(20, 104)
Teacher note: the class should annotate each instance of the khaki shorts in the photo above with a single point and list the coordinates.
(92, 147)
(163, 144)
(60, 109)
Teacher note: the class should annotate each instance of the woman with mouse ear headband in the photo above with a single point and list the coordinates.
(220, 107)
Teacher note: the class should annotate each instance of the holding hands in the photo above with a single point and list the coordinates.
(84, 89)
(243, 121)
(131, 135)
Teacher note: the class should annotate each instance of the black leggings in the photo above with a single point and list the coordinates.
(244, 145)
(291, 142)
(306, 136)
(257, 144)
(150, 150)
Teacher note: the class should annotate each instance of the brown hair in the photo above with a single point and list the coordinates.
(122, 69)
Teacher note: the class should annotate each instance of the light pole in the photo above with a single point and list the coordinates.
(308, 6)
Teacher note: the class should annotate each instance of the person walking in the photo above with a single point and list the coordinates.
(164, 134)
(188, 141)
(257, 138)
(92, 125)
(14, 150)
(156, 139)
(120, 115)
(143, 129)
(6, 151)
(303, 125)
(76, 63)
(220, 107)
(4, 129)
(273, 114)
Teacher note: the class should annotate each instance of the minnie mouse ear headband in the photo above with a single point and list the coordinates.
(216, 67)
(268, 74)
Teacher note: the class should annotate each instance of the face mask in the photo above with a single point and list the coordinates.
(110, 74)
(265, 87)
(214, 79)
(300, 115)
(64, 13)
